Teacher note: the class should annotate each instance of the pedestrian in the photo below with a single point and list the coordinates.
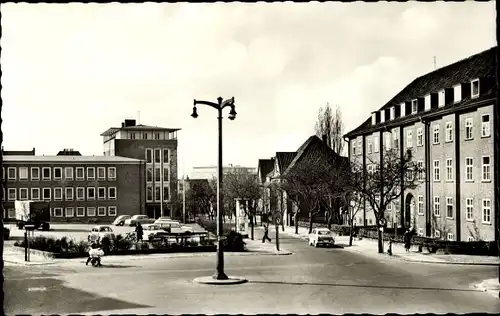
(139, 232)
(266, 234)
(407, 239)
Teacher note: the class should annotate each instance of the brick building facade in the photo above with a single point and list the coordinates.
(446, 119)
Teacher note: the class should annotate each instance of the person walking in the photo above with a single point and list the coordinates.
(138, 231)
(266, 234)
(407, 239)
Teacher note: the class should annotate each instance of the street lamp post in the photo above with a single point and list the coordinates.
(219, 274)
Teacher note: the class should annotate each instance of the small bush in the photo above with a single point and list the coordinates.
(143, 245)
(50, 244)
(234, 242)
(158, 244)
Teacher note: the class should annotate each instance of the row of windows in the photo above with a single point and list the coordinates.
(156, 174)
(469, 168)
(157, 155)
(157, 193)
(72, 212)
(468, 135)
(59, 196)
(57, 173)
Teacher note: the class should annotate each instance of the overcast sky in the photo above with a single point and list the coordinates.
(71, 71)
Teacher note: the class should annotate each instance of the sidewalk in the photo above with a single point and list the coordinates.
(491, 286)
(369, 247)
(14, 257)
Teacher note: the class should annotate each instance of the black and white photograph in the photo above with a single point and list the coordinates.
(250, 158)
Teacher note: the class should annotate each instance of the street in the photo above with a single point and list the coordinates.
(312, 280)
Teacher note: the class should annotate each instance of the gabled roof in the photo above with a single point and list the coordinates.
(113, 130)
(265, 167)
(284, 159)
(482, 65)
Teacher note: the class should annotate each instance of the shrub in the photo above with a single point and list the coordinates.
(158, 244)
(51, 244)
(211, 226)
(143, 245)
(234, 242)
(118, 242)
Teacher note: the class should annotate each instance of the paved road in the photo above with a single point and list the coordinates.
(313, 280)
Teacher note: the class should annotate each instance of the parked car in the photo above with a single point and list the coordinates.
(174, 227)
(6, 233)
(150, 231)
(120, 220)
(165, 220)
(97, 233)
(321, 236)
(143, 219)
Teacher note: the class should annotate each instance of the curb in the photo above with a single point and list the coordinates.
(24, 263)
(210, 280)
(494, 292)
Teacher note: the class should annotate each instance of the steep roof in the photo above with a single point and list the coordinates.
(482, 65)
(284, 159)
(265, 167)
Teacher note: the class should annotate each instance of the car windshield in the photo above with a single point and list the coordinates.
(151, 227)
(105, 229)
(323, 232)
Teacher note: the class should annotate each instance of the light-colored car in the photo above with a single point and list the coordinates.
(174, 227)
(120, 220)
(150, 231)
(321, 236)
(97, 233)
(165, 220)
(143, 219)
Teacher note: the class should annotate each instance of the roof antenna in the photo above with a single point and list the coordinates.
(434, 62)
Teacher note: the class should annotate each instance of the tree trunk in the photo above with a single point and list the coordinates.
(276, 226)
(251, 225)
(380, 240)
(296, 223)
(351, 231)
(282, 224)
(329, 219)
(310, 222)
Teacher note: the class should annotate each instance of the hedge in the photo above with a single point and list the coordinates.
(234, 240)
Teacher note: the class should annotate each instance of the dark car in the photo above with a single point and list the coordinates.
(6, 233)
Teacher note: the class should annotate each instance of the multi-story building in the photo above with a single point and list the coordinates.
(157, 146)
(210, 172)
(77, 188)
(446, 118)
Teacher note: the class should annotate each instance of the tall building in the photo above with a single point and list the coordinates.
(210, 172)
(157, 147)
(446, 119)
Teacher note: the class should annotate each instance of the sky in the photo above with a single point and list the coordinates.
(71, 71)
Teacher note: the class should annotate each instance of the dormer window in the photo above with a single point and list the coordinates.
(457, 93)
(393, 112)
(402, 109)
(374, 118)
(382, 116)
(475, 88)
(414, 106)
(441, 98)
(427, 102)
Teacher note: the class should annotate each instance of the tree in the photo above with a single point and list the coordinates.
(331, 125)
(199, 196)
(243, 186)
(384, 182)
(354, 203)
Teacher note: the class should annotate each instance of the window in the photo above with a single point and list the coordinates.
(157, 194)
(68, 173)
(157, 136)
(58, 212)
(468, 128)
(395, 140)
(449, 169)
(80, 174)
(414, 106)
(68, 194)
(58, 194)
(435, 133)
(409, 139)
(475, 88)
(388, 141)
(420, 231)
(420, 137)
(370, 146)
(35, 194)
(354, 148)
(101, 173)
(485, 126)
(70, 212)
(90, 211)
(57, 173)
(469, 162)
(149, 194)
(470, 238)
(486, 169)
(157, 155)
(35, 173)
(112, 193)
(132, 135)
(46, 192)
(90, 173)
(449, 132)
(111, 173)
(23, 194)
(450, 236)
(11, 173)
(90, 193)
(166, 155)
(360, 147)
(420, 166)
(101, 211)
(449, 207)
(469, 209)
(437, 176)
(80, 211)
(389, 206)
(23, 173)
(166, 193)
(149, 174)
(486, 211)
(420, 205)
(157, 174)
(149, 155)
(144, 135)
(437, 234)
(376, 144)
(112, 211)
(45, 173)
(80, 194)
(437, 211)
(12, 196)
(101, 193)
(165, 174)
